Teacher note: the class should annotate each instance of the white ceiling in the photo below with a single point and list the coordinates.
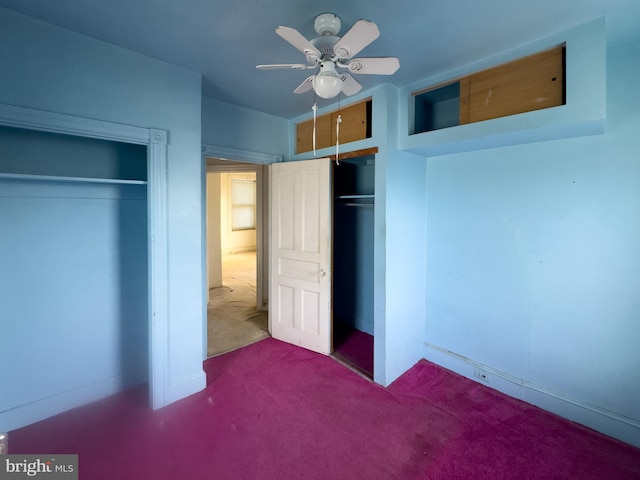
(225, 39)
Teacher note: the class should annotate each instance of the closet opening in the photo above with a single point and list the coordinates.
(75, 260)
(353, 259)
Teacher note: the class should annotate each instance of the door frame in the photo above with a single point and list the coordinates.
(230, 166)
(157, 212)
(217, 159)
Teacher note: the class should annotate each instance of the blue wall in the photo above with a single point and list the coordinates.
(229, 126)
(533, 264)
(48, 68)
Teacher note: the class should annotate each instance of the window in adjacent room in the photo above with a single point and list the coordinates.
(243, 204)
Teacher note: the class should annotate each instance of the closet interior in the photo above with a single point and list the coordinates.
(353, 258)
(73, 268)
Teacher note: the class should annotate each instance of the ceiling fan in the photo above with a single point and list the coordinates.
(329, 53)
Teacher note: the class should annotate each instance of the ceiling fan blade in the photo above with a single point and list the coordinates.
(305, 86)
(280, 66)
(296, 39)
(357, 37)
(374, 65)
(350, 86)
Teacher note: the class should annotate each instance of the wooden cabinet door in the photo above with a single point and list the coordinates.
(304, 134)
(353, 126)
(531, 83)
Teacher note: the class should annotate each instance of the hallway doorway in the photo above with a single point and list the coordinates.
(237, 306)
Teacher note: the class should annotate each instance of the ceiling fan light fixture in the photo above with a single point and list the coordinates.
(329, 51)
(327, 85)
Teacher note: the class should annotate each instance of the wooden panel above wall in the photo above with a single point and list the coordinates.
(524, 85)
(355, 125)
(531, 83)
(304, 134)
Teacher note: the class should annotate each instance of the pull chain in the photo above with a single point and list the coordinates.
(315, 109)
(338, 122)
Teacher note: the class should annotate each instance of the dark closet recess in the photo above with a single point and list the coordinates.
(353, 230)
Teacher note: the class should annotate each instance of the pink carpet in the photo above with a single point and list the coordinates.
(353, 347)
(274, 411)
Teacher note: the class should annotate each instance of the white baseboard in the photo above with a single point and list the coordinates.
(600, 419)
(23, 415)
(191, 385)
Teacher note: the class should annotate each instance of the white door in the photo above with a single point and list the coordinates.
(300, 286)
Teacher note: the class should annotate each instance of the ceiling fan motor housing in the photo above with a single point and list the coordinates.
(325, 45)
(327, 24)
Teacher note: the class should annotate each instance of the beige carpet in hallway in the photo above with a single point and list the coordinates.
(233, 319)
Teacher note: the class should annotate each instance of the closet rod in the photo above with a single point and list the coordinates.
(58, 178)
